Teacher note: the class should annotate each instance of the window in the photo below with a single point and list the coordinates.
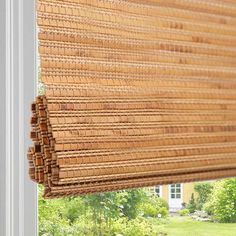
(175, 191)
(157, 190)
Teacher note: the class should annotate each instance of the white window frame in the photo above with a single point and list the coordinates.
(18, 74)
(160, 190)
(181, 192)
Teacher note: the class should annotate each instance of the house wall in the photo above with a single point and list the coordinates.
(188, 189)
(165, 192)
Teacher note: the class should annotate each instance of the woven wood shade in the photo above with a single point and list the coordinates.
(138, 93)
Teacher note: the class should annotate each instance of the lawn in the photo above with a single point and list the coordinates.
(185, 226)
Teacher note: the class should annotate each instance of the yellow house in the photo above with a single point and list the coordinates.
(176, 194)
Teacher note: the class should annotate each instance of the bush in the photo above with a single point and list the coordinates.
(149, 210)
(184, 212)
(204, 190)
(163, 203)
(191, 206)
(154, 206)
(140, 227)
(222, 202)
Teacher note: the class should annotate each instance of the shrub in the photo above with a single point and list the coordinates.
(184, 212)
(136, 227)
(191, 206)
(204, 190)
(141, 227)
(163, 203)
(222, 202)
(154, 206)
(149, 210)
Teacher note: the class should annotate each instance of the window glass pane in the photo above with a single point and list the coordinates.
(178, 195)
(178, 190)
(172, 190)
(172, 195)
(178, 185)
(157, 190)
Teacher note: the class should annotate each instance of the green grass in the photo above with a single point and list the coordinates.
(185, 226)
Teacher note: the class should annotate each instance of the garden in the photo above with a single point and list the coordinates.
(139, 212)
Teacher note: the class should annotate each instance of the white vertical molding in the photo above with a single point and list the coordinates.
(182, 192)
(9, 122)
(2, 117)
(18, 195)
(29, 81)
(21, 118)
(161, 190)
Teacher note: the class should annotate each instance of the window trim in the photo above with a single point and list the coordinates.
(18, 74)
(181, 192)
(175, 193)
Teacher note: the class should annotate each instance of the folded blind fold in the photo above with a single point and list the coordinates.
(137, 93)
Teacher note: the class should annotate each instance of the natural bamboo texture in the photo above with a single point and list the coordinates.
(137, 93)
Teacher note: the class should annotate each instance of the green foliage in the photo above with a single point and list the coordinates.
(104, 214)
(140, 227)
(163, 203)
(222, 201)
(51, 221)
(184, 212)
(149, 210)
(191, 206)
(126, 213)
(131, 200)
(74, 207)
(117, 204)
(154, 206)
(204, 190)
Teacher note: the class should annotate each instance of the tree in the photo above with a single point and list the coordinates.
(204, 190)
(192, 204)
(222, 201)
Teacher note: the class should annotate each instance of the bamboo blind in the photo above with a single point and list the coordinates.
(138, 93)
